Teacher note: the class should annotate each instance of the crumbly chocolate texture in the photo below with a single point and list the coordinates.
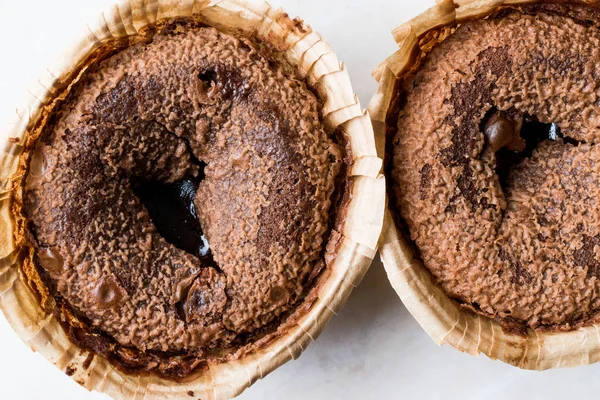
(526, 249)
(189, 95)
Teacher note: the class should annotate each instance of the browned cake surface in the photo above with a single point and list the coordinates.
(509, 225)
(197, 104)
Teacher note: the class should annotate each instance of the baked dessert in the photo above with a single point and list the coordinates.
(494, 166)
(180, 199)
(183, 199)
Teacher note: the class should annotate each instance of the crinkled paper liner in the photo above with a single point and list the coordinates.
(317, 62)
(441, 317)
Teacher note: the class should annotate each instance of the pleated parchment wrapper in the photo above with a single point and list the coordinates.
(317, 63)
(441, 317)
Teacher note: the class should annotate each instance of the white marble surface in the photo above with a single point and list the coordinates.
(373, 348)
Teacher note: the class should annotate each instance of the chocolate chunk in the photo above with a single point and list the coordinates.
(51, 260)
(108, 293)
(38, 165)
(182, 288)
(503, 132)
(206, 298)
(278, 294)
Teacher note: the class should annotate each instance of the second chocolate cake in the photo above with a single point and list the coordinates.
(495, 167)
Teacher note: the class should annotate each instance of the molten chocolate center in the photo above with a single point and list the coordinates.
(171, 207)
(513, 140)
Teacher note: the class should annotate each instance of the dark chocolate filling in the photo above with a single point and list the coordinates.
(172, 210)
(533, 132)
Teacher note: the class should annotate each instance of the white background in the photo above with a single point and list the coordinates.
(373, 349)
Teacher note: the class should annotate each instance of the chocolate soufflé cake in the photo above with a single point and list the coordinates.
(494, 165)
(182, 200)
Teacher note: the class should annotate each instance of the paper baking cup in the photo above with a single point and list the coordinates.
(316, 61)
(441, 317)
